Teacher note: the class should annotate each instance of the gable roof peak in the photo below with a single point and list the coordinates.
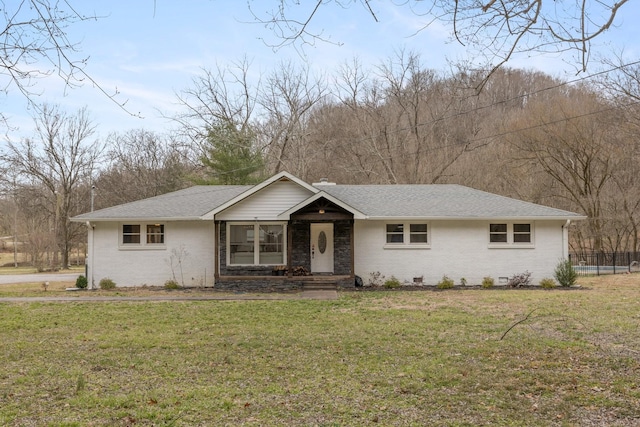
(279, 177)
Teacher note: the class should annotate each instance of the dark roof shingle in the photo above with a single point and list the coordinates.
(189, 203)
(436, 201)
(375, 201)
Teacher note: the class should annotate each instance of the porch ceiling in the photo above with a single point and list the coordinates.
(321, 209)
(322, 206)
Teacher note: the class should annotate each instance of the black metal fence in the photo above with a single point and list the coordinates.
(597, 263)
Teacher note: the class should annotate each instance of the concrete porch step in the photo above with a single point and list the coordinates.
(319, 284)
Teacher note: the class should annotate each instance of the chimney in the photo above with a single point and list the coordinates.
(323, 181)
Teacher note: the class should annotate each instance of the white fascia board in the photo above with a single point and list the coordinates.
(282, 175)
(138, 219)
(477, 218)
(321, 194)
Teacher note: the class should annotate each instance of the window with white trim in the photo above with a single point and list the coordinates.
(155, 233)
(521, 233)
(142, 235)
(244, 249)
(131, 234)
(498, 233)
(407, 234)
(511, 234)
(395, 233)
(418, 233)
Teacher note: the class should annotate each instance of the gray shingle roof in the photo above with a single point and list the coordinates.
(437, 201)
(189, 203)
(375, 201)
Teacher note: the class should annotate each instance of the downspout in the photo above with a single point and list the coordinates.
(216, 252)
(565, 239)
(89, 261)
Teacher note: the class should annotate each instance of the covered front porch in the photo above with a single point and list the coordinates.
(313, 248)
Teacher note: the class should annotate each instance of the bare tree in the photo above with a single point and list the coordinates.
(59, 160)
(577, 142)
(34, 44)
(287, 100)
(220, 118)
(622, 86)
(401, 123)
(507, 94)
(35, 225)
(142, 164)
(274, 111)
(498, 30)
(218, 97)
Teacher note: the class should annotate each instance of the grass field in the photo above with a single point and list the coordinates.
(396, 358)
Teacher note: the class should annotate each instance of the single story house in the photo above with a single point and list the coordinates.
(285, 233)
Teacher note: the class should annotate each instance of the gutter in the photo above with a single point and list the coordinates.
(140, 219)
(476, 218)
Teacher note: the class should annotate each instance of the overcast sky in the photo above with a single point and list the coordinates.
(148, 50)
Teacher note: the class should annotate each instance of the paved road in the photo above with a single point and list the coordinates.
(6, 279)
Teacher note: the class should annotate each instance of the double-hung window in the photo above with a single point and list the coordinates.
(142, 236)
(400, 235)
(256, 244)
(395, 233)
(521, 233)
(498, 233)
(155, 233)
(131, 234)
(516, 234)
(418, 233)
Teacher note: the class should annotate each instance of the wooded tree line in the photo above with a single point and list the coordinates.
(571, 145)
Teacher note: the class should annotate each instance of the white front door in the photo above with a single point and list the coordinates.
(322, 248)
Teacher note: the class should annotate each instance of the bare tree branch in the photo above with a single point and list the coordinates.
(34, 44)
(493, 30)
(517, 323)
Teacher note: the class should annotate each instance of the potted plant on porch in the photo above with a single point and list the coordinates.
(279, 270)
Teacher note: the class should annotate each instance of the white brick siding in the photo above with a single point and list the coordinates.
(129, 266)
(458, 249)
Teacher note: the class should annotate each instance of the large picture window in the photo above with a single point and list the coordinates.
(271, 244)
(245, 249)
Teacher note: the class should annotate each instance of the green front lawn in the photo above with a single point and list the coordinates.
(370, 358)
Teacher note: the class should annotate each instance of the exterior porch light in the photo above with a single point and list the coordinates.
(321, 211)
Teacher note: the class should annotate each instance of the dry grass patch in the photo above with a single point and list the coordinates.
(59, 289)
(35, 289)
(18, 270)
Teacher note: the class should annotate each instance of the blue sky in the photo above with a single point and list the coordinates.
(149, 50)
